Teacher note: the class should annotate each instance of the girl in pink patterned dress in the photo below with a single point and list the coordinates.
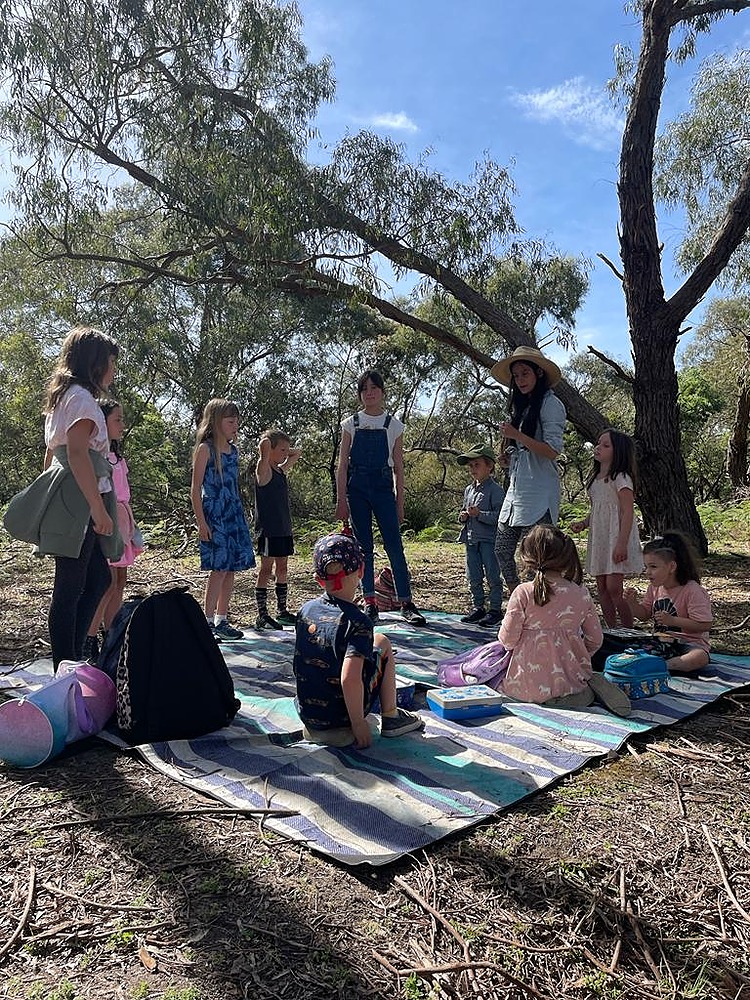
(551, 624)
(613, 548)
(111, 603)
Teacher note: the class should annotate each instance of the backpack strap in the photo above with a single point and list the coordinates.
(388, 419)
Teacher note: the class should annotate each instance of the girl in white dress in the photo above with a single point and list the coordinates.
(613, 549)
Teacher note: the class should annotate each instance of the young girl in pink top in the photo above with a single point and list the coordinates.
(551, 624)
(111, 603)
(675, 600)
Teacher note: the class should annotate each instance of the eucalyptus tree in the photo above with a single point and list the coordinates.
(208, 107)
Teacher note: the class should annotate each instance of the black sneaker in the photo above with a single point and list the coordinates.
(490, 620)
(91, 649)
(286, 617)
(410, 614)
(371, 610)
(474, 616)
(266, 621)
(401, 723)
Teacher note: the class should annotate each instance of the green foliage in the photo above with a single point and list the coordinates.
(703, 153)
(727, 525)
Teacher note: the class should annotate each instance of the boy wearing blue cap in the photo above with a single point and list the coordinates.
(340, 665)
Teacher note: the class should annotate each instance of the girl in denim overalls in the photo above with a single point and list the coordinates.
(371, 458)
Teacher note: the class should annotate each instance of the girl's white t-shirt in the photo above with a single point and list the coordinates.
(367, 421)
(78, 404)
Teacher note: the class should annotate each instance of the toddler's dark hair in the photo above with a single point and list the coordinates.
(107, 406)
(623, 458)
(675, 545)
(547, 549)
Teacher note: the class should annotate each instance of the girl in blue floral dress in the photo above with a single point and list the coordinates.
(225, 544)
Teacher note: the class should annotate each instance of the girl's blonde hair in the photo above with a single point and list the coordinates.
(84, 359)
(547, 549)
(209, 426)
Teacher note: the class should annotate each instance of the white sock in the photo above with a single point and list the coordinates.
(218, 619)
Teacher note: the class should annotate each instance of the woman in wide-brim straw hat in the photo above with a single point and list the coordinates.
(534, 431)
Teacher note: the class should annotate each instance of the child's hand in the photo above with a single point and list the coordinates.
(632, 596)
(577, 526)
(342, 510)
(264, 448)
(362, 734)
(473, 511)
(103, 524)
(619, 553)
(663, 618)
(295, 452)
(204, 532)
(463, 517)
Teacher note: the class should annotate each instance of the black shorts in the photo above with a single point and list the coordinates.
(282, 545)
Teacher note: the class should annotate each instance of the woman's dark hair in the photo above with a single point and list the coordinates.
(371, 375)
(546, 549)
(623, 458)
(524, 409)
(107, 407)
(674, 545)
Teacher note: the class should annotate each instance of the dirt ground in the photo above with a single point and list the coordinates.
(628, 879)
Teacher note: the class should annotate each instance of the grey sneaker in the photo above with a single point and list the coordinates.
(224, 631)
(410, 614)
(402, 722)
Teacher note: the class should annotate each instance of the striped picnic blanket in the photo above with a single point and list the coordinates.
(373, 806)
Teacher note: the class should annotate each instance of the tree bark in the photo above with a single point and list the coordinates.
(737, 465)
(665, 498)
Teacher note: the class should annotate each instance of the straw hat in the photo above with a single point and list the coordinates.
(501, 369)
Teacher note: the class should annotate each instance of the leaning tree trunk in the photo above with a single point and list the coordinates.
(737, 466)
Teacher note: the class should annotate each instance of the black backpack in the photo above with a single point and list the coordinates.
(172, 680)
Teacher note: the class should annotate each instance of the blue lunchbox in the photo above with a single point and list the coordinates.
(473, 701)
(638, 673)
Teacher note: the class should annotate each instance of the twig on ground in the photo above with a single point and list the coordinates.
(623, 907)
(680, 802)
(198, 811)
(57, 891)
(722, 872)
(24, 916)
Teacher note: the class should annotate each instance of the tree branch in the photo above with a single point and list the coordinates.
(692, 10)
(733, 230)
(620, 372)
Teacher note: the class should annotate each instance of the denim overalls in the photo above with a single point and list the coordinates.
(369, 490)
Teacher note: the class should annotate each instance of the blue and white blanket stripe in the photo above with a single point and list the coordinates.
(376, 805)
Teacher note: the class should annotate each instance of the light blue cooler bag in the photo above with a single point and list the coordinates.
(638, 673)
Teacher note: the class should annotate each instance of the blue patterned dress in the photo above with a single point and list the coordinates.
(230, 548)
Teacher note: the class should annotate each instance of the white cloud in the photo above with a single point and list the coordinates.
(399, 121)
(583, 111)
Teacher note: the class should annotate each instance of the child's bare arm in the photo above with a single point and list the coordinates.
(291, 460)
(633, 598)
(354, 696)
(200, 461)
(263, 465)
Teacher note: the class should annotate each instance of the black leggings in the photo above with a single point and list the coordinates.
(79, 586)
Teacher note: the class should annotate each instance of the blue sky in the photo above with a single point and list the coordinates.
(524, 82)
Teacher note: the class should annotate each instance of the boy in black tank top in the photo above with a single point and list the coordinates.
(273, 522)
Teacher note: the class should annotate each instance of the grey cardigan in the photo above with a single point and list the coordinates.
(53, 514)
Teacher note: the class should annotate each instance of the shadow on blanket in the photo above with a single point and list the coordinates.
(376, 805)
